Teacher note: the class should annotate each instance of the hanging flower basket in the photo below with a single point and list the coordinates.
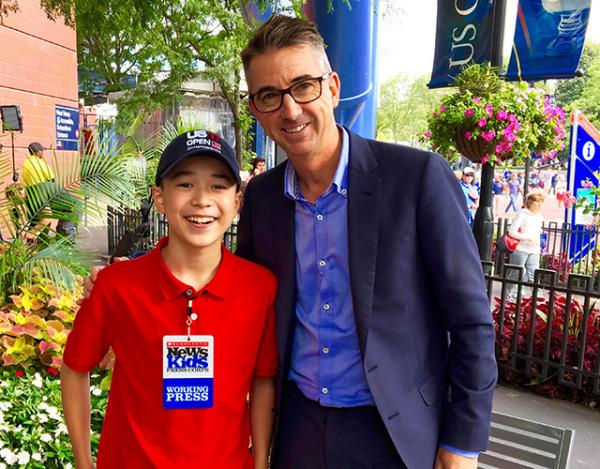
(472, 148)
(489, 119)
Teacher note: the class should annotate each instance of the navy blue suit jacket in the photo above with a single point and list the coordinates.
(422, 314)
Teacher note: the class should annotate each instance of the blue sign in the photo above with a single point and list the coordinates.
(463, 36)
(583, 164)
(67, 128)
(548, 39)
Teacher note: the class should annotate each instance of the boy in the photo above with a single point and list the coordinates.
(192, 333)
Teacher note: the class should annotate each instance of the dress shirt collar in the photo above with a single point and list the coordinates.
(340, 179)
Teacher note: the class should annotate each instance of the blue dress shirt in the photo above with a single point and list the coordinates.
(326, 362)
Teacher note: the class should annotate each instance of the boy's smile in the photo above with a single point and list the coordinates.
(199, 199)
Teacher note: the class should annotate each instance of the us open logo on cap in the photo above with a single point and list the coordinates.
(202, 139)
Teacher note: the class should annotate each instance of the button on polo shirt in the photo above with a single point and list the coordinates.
(133, 305)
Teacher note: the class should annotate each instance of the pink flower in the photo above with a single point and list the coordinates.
(476, 100)
(443, 109)
(509, 135)
(427, 134)
(469, 113)
(512, 118)
(490, 110)
(19, 373)
(489, 135)
(468, 134)
(501, 115)
(485, 159)
(482, 122)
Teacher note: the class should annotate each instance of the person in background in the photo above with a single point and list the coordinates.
(498, 187)
(470, 192)
(514, 189)
(527, 228)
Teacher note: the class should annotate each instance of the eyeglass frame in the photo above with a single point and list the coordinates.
(288, 90)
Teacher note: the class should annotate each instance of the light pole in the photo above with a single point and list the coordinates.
(483, 225)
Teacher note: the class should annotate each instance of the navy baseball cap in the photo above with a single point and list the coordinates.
(197, 142)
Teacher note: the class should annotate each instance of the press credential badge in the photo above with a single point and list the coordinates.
(188, 371)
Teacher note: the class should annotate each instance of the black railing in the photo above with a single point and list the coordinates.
(547, 333)
(125, 219)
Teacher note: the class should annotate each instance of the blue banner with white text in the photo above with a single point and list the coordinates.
(463, 36)
(549, 39)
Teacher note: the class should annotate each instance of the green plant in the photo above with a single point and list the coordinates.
(495, 119)
(35, 324)
(32, 431)
(82, 185)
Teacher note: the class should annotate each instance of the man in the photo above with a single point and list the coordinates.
(381, 308)
(39, 182)
(35, 168)
(514, 189)
(470, 192)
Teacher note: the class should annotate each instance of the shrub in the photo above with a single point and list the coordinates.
(32, 430)
(565, 321)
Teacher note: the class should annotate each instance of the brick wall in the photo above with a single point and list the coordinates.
(38, 69)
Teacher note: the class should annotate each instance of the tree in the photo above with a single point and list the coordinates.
(404, 107)
(570, 93)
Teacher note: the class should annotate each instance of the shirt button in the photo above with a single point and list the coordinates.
(319, 217)
(188, 292)
(322, 263)
(325, 349)
(326, 306)
(344, 191)
(324, 390)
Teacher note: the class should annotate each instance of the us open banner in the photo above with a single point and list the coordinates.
(463, 36)
(549, 39)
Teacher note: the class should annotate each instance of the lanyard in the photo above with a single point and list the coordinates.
(191, 316)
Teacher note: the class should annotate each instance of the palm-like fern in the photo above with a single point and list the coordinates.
(83, 185)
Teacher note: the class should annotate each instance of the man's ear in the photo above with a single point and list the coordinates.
(157, 196)
(335, 87)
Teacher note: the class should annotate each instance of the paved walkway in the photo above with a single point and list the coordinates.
(585, 421)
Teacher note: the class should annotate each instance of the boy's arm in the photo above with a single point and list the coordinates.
(75, 388)
(262, 401)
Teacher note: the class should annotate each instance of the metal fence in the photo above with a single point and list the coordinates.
(547, 332)
(120, 220)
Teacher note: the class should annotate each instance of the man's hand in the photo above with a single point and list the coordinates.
(448, 460)
(88, 282)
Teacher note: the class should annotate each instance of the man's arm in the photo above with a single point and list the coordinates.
(75, 388)
(262, 401)
(454, 267)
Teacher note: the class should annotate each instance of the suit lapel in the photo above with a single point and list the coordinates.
(282, 222)
(364, 200)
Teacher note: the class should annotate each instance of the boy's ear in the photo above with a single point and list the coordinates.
(157, 196)
(238, 200)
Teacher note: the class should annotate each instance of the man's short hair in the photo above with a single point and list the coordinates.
(282, 31)
(257, 160)
(34, 147)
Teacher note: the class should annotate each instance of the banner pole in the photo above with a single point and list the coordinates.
(483, 225)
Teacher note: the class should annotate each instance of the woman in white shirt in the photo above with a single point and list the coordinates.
(527, 228)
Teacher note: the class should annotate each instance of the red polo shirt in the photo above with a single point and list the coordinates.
(133, 305)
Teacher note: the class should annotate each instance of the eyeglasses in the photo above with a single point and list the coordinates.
(304, 91)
